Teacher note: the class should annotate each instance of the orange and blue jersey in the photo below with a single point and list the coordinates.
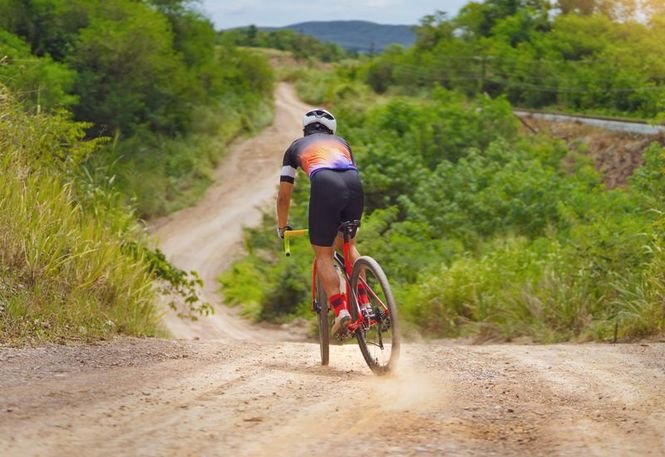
(319, 151)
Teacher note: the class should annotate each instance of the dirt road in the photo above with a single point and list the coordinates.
(208, 236)
(245, 392)
(212, 398)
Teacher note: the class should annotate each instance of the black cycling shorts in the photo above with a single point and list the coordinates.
(336, 196)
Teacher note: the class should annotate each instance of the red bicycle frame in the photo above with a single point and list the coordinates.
(345, 264)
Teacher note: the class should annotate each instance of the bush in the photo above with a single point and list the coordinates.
(63, 271)
(41, 83)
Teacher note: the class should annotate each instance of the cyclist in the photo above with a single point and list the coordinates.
(336, 195)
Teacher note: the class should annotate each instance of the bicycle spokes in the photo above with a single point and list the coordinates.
(375, 331)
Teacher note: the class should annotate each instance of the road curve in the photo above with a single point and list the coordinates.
(208, 236)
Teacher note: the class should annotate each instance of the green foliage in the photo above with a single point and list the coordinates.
(163, 174)
(137, 67)
(40, 83)
(483, 231)
(74, 261)
(49, 26)
(128, 73)
(63, 270)
(180, 284)
(605, 62)
(550, 289)
(148, 74)
(302, 46)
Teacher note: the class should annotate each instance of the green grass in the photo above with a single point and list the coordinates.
(64, 271)
(63, 274)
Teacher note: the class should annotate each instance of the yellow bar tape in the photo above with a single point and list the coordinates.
(290, 234)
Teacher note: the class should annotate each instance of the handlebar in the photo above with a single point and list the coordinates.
(290, 234)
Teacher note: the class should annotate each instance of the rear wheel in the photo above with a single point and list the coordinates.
(322, 318)
(378, 337)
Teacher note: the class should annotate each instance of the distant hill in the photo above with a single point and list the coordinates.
(361, 36)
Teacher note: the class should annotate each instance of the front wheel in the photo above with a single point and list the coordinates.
(378, 337)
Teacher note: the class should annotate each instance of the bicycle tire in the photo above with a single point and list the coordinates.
(322, 319)
(381, 357)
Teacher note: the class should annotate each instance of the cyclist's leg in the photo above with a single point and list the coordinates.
(330, 281)
(353, 211)
(326, 269)
(339, 245)
(326, 201)
(355, 255)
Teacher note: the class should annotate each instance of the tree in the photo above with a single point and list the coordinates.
(252, 32)
(129, 74)
(38, 82)
(480, 18)
(432, 29)
(615, 9)
(49, 26)
(583, 7)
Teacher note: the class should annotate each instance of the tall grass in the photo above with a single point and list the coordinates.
(63, 271)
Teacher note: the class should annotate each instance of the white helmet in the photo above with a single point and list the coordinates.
(320, 116)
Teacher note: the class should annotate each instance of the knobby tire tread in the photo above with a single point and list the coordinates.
(372, 266)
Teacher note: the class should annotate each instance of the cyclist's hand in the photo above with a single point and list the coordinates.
(281, 230)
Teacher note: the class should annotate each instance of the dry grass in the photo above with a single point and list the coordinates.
(63, 271)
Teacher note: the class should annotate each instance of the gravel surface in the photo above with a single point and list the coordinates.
(158, 397)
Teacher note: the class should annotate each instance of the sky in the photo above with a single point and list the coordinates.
(275, 13)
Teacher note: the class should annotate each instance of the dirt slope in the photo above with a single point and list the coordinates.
(245, 392)
(207, 236)
(616, 155)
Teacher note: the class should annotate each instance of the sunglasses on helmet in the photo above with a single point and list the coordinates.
(319, 113)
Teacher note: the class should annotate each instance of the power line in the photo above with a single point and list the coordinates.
(451, 74)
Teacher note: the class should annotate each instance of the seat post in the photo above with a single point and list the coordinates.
(348, 228)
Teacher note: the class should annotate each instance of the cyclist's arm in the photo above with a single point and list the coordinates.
(283, 202)
(346, 143)
(286, 180)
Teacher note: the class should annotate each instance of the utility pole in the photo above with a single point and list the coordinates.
(481, 81)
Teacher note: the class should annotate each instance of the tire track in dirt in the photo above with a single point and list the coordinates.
(197, 398)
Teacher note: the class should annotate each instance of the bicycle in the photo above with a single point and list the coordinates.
(375, 327)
